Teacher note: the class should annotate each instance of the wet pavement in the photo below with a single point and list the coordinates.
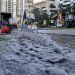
(27, 53)
(59, 31)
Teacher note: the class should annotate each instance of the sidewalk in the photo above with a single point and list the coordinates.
(64, 32)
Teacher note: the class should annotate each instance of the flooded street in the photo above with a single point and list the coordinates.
(27, 53)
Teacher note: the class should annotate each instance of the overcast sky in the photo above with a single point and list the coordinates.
(35, 1)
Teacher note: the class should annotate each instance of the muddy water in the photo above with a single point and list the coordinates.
(64, 40)
(27, 53)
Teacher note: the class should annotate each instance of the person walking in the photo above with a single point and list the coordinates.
(44, 23)
(34, 27)
(1, 23)
(24, 25)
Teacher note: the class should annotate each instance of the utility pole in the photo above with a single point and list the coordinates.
(0, 9)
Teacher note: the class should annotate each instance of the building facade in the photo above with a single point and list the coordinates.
(0, 5)
(48, 6)
(15, 7)
(8, 6)
(23, 5)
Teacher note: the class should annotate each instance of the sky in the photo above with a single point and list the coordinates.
(35, 1)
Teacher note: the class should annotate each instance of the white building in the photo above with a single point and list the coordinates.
(8, 6)
(0, 8)
(13, 8)
(23, 5)
(27, 4)
(0, 5)
(47, 5)
(3, 5)
(16, 7)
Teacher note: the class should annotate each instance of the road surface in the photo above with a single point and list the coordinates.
(27, 53)
(64, 31)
